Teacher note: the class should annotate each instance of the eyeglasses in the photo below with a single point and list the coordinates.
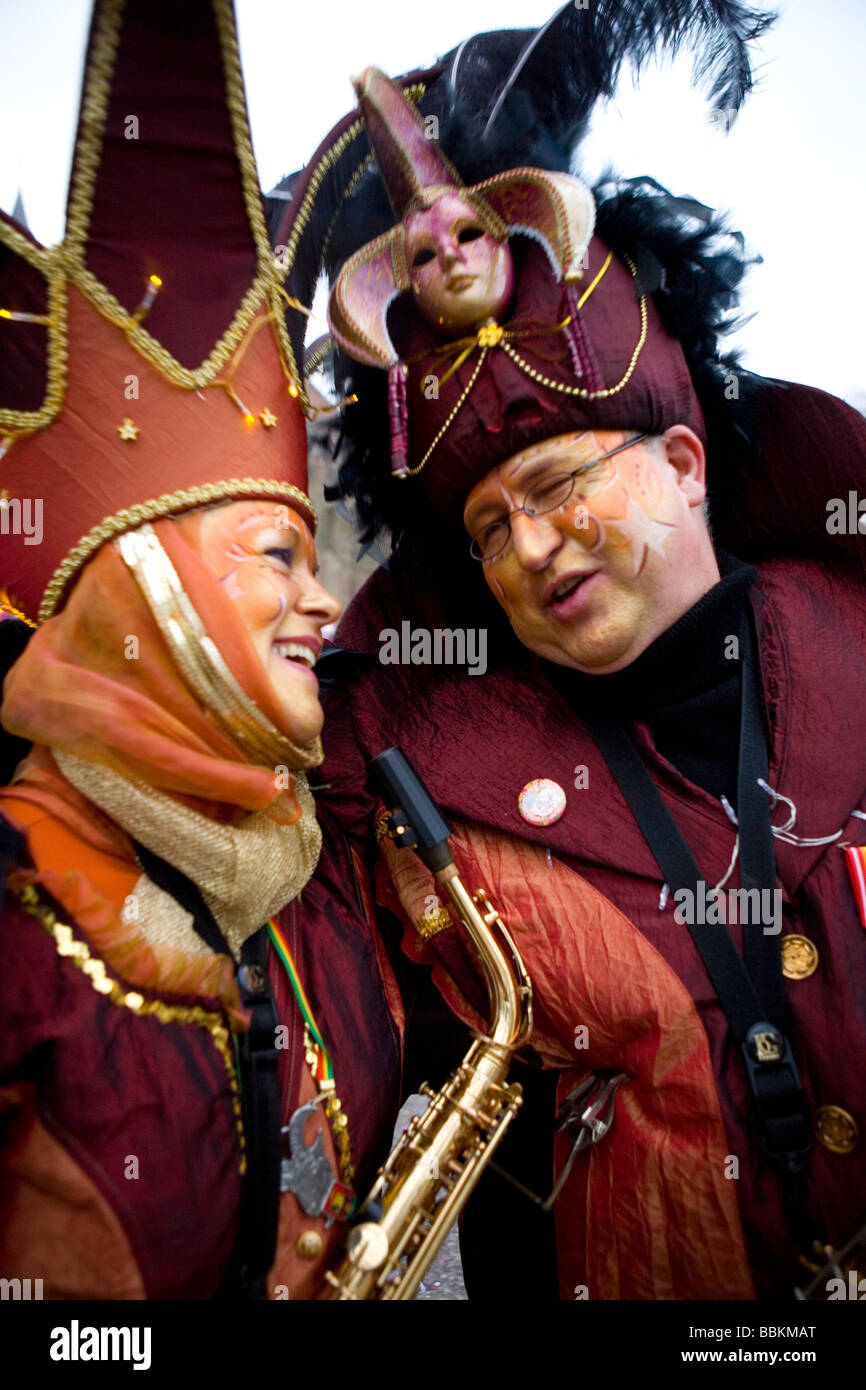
(544, 497)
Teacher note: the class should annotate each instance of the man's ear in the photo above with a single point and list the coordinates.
(685, 452)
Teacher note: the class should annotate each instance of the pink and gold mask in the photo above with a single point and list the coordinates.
(461, 275)
(450, 248)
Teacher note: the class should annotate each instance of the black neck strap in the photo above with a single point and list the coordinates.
(258, 1062)
(751, 993)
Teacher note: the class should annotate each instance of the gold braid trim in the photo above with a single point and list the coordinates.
(8, 605)
(315, 359)
(169, 502)
(88, 155)
(346, 193)
(50, 266)
(333, 1108)
(501, 340)
(327, 161)
(78, 952)
(452, 414)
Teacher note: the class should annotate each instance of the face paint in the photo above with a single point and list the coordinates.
(264, 556)
(583, 586)
(461, 276)
(630, 499)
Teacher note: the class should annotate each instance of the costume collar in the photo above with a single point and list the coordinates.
(246, 872)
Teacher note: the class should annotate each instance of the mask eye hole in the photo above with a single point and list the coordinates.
(422, 257)
(469, 234)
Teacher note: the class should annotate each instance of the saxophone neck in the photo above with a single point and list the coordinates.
(508, 986)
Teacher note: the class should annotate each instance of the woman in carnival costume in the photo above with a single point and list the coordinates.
(191, 1085)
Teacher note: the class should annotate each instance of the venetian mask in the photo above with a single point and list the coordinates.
(461, 275)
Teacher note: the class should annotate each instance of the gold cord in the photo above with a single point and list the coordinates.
(78, 952)
(333, 1108)
(501, 340)
(453, 414)
(88, 155)
(589, 289)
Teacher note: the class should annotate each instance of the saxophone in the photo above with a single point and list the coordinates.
(429, 1175)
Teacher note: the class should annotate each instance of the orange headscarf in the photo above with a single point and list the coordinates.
(99, 681)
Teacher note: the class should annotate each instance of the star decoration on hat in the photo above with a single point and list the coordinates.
(128, 430)
(268, 418)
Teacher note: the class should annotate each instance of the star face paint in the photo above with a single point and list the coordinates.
(461, 276)
(264, 556)
(591, 584)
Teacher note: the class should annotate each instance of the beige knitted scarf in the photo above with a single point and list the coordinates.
(246, 873)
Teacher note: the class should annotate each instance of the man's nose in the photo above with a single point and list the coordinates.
(535, 540)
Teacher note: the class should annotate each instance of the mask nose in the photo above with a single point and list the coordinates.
(450, 253)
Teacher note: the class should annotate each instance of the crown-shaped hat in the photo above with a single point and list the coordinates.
(145, 363)
(573, 341)
(632, 342)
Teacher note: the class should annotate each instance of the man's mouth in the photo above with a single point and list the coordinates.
(566, 595)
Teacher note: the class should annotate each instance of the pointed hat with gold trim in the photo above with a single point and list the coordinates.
(145, 364)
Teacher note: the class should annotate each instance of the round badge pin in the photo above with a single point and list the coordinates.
(541, 802)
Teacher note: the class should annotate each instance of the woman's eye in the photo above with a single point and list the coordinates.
(470, 234)
(423, 256)
(283, 553)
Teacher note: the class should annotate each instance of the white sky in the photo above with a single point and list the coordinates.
(792, 172)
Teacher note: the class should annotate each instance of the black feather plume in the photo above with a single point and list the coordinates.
(525, 97)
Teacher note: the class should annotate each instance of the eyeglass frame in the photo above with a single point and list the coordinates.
(620, 448)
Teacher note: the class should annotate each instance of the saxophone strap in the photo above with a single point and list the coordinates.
(749, 989)
(258, 1066)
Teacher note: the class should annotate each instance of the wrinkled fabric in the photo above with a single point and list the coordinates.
(476, 743)
(676, 1214)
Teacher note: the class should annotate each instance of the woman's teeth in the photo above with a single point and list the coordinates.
(295, 651)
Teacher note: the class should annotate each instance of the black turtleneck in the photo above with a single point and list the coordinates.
(683, 686)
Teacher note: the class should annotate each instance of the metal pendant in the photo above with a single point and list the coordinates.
(307, 1173)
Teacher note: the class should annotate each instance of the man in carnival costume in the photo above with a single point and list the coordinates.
(658, 777)
(188, 1097)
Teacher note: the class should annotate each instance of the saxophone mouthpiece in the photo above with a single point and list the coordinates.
(415, 820)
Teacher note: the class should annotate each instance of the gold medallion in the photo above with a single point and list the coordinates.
(799, 957)
(309, 1245)
(836, 1129)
